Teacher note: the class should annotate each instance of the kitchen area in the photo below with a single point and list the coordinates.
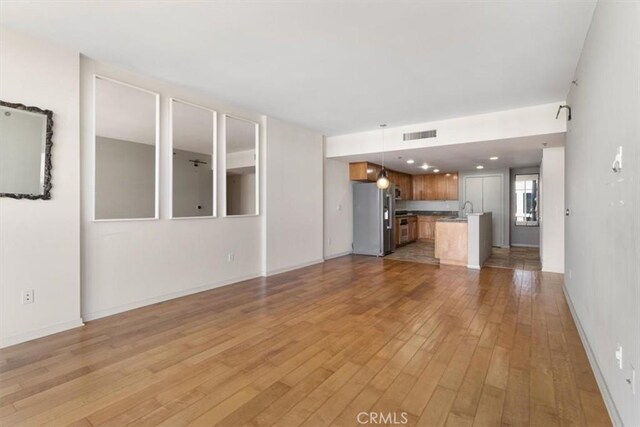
(422, 219)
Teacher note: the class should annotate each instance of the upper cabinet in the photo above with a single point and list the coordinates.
(442, 186)
(364, 171)
(402, 182)
(367, 171)
(451, 186)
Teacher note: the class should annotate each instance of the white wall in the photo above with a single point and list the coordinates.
(40, 240)
(603, 230)
(294, 196)
(552, 210)
(128, 264)
(536, 120)
(338, 209)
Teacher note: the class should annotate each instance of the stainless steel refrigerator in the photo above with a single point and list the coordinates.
(373, 219)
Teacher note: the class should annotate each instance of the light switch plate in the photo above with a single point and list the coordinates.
(619, 356)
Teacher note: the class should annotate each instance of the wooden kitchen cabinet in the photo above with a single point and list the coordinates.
(451, 186)
(368, 172)
(403, 182)
(419, 184)
(394, 177)
(432, 190)
(435, 187)
(364, 171)
(427, 226)
(426, 229)
(440, 186)
(413, 228)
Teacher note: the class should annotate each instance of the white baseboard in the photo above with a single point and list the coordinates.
(548, 269)
(161, 298)
(522, 245)
(338, 255)
(602, 385)
(473, 267)
(39, 333)
(293, 267)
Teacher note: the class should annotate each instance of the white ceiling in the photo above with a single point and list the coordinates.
(336, 67)
(511, 153)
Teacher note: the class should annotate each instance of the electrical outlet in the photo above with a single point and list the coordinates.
(570, 274)
(619, 356)
(330, 241)
(230, 257)
(27, 296)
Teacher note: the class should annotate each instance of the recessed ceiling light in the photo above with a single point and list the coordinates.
(436, 170)
(425, 166)
(411, 161)
(448, 174)
(369, 170)
(493, 158)
(479, 167)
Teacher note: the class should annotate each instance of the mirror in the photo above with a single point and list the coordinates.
(526, 188)
(25, 151)
(241, 166)
(126, 151)
(193, 168)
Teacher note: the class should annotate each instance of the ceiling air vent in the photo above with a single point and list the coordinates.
(424, 134)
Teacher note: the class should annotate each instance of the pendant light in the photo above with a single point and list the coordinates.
(383, 180)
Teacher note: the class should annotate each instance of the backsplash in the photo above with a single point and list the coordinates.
(427, 205)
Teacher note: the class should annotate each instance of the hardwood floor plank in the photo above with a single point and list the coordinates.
(469, 392)
(318, 346)
(516, 411)
(489, 412)
(437, 410)
(498, 373)
(299, 413)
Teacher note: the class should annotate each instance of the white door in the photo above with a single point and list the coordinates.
(473, 192)
(492, 202)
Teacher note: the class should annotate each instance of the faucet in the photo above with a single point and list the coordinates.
(464, 207)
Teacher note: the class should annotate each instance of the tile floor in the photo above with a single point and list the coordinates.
(515, 258)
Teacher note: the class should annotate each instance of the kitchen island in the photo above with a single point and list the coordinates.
(451, 241)
(464, 241)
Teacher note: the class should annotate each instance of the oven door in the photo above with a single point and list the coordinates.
(404, 231)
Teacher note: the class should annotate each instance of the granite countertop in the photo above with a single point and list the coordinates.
(452, 219)
(426, 213)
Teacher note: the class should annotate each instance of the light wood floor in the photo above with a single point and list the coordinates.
(317, 346)
(519, 258)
